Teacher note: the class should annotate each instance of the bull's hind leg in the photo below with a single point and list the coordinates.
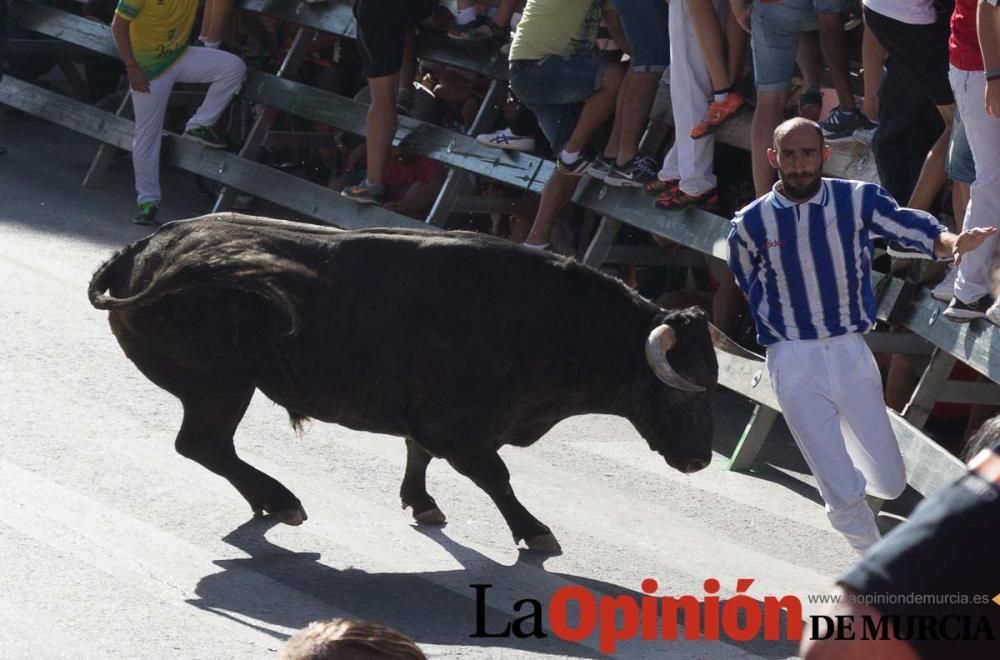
(413, 491)
(206, 437)
(489, 472)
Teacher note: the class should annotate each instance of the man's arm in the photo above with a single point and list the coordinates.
(614, 24)
(137, 78)
(741, 259)
(988, 22)
(955, 245)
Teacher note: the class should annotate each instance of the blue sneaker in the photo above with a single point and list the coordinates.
(840, 125)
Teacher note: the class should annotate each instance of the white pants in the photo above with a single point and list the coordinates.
(689, 161)
(975, 270)
(830, 393)
(223, 70)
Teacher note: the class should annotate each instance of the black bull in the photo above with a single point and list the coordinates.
(458, 342)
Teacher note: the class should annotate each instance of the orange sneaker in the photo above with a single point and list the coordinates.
(718, 113)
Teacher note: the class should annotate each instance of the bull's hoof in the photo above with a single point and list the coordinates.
(430, 517)
(293, 517)
(544, 543)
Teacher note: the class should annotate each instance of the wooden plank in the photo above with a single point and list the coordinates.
(267, 183)
(652, 255)
(336, 17)
(748, 378)
(761, 421)
(76, 30)
(929, 467)
(46, 47)
(905, 343)
(512, 168)
(600, 244)
(960, 391)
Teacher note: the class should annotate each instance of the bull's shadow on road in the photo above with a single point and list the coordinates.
(277, 587)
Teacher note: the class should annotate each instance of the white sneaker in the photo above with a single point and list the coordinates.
(993, 314)
(504, 139)
(946, 289)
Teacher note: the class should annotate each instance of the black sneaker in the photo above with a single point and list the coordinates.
(600, 167)
(146, 214)
(578, 167)
(634, 174)
(963, 312)
(900, 251)
(840, 125)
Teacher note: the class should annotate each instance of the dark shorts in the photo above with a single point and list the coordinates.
(554, 89)
(921, 49)
(645, 24)
(947, 550)
(382, 26)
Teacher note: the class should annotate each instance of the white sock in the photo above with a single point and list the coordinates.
(719, 98)
(210, 44)
(465, 16)
(535, 246)
(569, 157)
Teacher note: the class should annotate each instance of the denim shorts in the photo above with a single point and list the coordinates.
(960, 166)
(645, 24)
(774, 36)
(554, 89)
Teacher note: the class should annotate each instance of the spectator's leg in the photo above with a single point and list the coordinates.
(614, 139)
(833, 41)
(224, 71)
(555, 196)
(736, 47)
(597, 108)
(932, 174)
(150, 109)
(983, 132)
(809, 57)
(635, 112)
(381, 125)
(769, 113)
(690, 89)
(214, 21)
(873, 60)
(704, 21)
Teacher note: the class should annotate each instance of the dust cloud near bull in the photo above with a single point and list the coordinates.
(458, 342)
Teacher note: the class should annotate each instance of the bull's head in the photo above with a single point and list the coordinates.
(676, 416)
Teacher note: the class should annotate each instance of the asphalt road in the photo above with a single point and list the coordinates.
(114, 546)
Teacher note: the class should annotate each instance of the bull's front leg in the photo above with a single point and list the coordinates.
(488, 471)
(413, 491)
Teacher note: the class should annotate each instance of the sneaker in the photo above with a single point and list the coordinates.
(900, 251)
(146, 214)
(945, 291)
(963, 312)
(364, 193)
(659, 186)
(865, 132)
(993, 314)
(578, 167)
(207, 136)
(601, 167)
(718, 113)
(634, 174)
(840, 125)
(478, 30)
(505, 139)
(677, 200)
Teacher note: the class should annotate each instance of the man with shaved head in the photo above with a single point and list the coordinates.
(802, 254)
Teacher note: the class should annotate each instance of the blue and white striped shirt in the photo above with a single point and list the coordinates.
(806, 268)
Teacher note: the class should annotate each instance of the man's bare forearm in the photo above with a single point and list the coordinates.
(988, 23)
(119, 30)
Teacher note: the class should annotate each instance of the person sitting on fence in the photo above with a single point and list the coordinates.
(349, 639)
(472, 27)
(946, 556)
(802, 256)
(387, 37)
(152, 40)
(555, 71)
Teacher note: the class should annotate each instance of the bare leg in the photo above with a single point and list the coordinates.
(611, 149)
(709, 32)
(960, 195)
(834, 45)
(769, 113)
(215, 20)
(597, 108)
(636, 113)
(736, 40)
(381, 124)
(555, 196)
(932, 174)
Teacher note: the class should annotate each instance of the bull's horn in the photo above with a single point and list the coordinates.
(661, 340)
(725, 343)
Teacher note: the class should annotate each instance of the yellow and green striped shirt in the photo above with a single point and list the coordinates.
(159, 31)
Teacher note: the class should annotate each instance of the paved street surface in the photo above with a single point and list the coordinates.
(113, 546)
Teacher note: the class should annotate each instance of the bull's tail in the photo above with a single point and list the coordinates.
(189, 258)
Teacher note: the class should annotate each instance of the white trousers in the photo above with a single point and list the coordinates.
(223, 70)
(976, 269)
(830, 393)
(689, 161)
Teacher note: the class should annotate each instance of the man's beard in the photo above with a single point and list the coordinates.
(800, 186)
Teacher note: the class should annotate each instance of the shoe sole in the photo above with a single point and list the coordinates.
(622, 183)
(363, 201)
(963, 316)
(506, 147)
(199, 140)
(838, 140)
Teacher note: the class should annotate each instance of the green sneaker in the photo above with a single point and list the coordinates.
(207, 136)
(146, 215)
